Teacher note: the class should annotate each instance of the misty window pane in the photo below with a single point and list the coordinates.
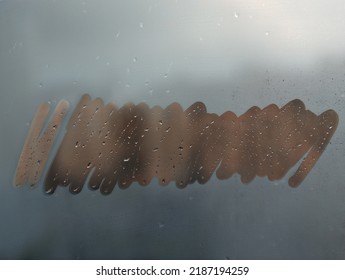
(227, 55)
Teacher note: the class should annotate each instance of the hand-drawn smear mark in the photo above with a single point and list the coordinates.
(114, 145)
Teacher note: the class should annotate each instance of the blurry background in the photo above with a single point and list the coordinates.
(230, 55)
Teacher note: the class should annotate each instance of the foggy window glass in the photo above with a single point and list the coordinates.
(171, 129)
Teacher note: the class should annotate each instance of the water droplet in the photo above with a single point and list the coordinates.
(40, 85)
(166, 75)
(126, 159)
(267, 33)
(76, 144)
(141, 24)
(88, 165)
(161, 225)
(135, 59)
(236, 15)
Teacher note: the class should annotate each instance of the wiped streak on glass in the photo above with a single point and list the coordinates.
(136, 143)
(38, 144)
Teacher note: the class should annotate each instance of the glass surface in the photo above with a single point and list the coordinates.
(230, 55)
